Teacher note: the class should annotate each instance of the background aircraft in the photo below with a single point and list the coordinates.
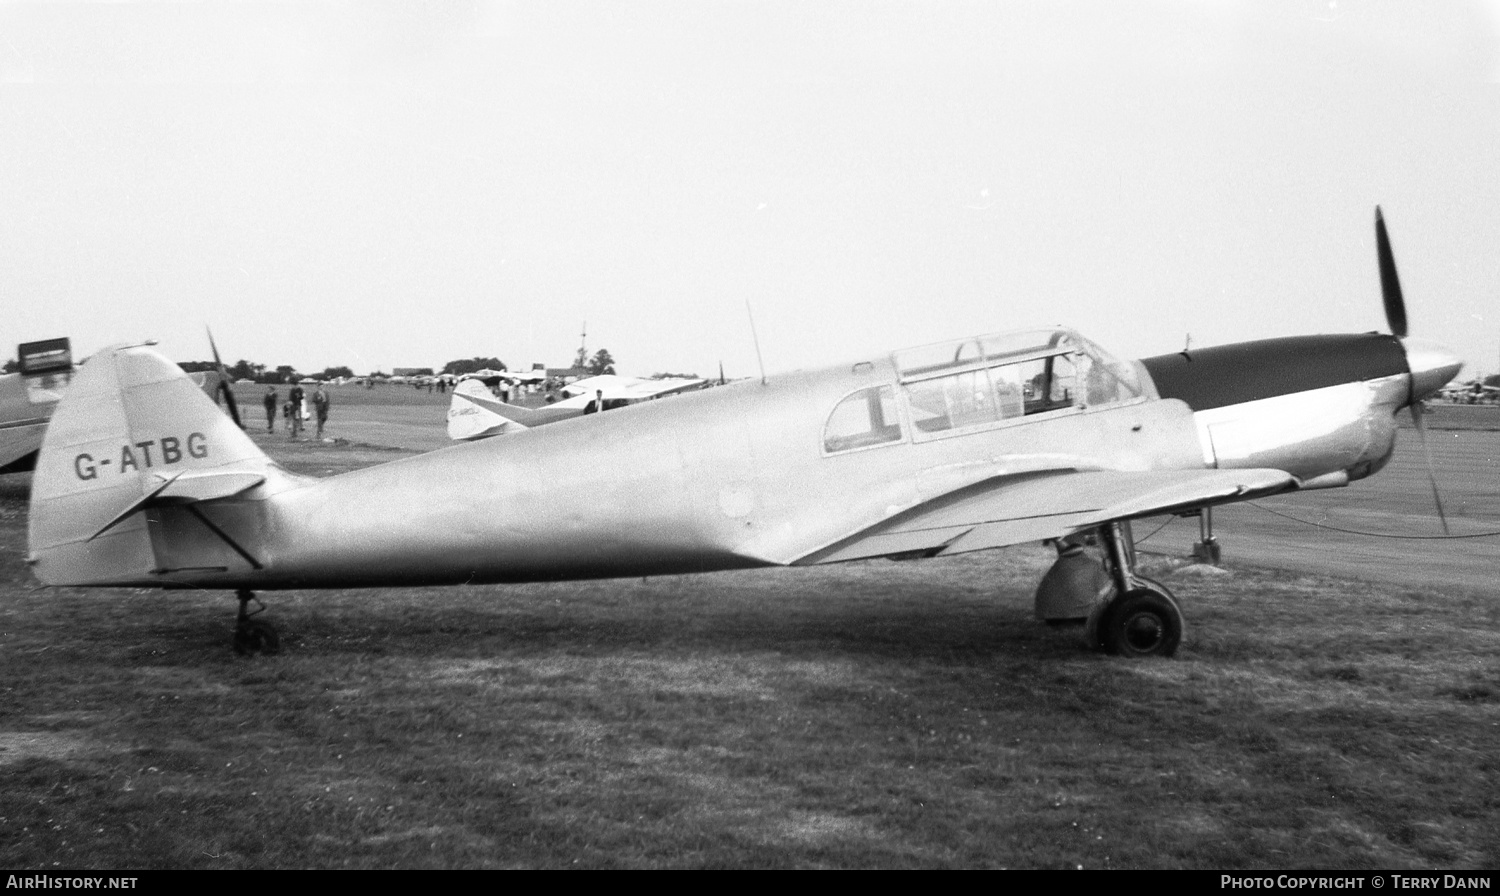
(29, 397)
(961, 446)
(1472, 392)
(474, 413)
(630, 388)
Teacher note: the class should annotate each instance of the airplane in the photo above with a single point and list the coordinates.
(1472, 392)
(966, 445)
(29, 397)
(473, 413)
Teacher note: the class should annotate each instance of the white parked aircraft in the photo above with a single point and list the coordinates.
(474, 413)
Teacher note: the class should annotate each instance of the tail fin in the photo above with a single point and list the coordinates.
(474, 414)
(132, 449)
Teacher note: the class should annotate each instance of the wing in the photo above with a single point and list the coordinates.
(663, 387)
(1014, 509)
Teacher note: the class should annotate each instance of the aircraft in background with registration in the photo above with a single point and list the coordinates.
(961, 446)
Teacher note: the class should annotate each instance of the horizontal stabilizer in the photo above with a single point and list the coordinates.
(188, 488)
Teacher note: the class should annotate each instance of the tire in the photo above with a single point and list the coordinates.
(254, 636)
(1142, 623)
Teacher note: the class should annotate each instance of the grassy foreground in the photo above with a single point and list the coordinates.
(867, 715)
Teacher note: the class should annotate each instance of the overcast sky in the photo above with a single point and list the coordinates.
(402, 184)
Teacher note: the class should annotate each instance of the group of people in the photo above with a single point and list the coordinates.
(293, 410)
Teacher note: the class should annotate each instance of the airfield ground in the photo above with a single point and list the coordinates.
(873, 714)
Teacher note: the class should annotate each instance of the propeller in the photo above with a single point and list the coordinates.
(1416, 419)
(1395, 316)
(1390, 283)
(229, 402)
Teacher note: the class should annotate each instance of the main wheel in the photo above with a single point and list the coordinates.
(254, 636)
(1141, 623)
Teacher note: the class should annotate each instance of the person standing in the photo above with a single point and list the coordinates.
(296, 399)
(320, 408)
(270, 402)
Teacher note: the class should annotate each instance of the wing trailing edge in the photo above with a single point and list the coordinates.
(1012, 510)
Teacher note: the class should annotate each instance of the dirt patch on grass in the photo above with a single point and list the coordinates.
(19, 746)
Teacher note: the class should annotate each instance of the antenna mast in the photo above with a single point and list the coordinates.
(756, 339)
(583, 353)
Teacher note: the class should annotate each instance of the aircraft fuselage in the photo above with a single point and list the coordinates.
(742, 475)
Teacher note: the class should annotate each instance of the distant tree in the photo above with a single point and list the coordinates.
(246, 370)
(459, 368)
(1491, 380)
(331, 373)
(285, 373)
(602, 363)
(11, 366)
(674, 376)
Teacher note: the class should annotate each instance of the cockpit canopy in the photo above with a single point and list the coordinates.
(1003, 376)
(982, 380)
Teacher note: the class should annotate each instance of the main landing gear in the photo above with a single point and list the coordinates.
(253, 636)
(1121, 612)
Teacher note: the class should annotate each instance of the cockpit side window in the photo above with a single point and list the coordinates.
(972, 382)
(1043, 384)
(990, 394)
(862, 419)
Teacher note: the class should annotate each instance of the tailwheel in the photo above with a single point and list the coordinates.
(254, 636)
(1142, 622)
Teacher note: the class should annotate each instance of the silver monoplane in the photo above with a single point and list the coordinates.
(961, 446)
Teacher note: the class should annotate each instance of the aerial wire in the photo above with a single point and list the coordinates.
(1158, 529)
(756, 339)
(1369, 534)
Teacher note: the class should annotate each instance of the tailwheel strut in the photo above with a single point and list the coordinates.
(253, 636)
(1142, 617)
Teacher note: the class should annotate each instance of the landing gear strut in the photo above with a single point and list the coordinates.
(252, 636)
(1141, 618)
(1206, 549)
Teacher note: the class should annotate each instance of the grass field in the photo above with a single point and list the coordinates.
(875, 714)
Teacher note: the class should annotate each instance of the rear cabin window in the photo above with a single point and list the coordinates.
(861, 420)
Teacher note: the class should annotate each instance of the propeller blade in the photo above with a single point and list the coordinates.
(1390, 283)
(229, 402)
(1416, 419)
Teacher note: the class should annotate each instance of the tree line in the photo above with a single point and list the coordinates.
(600, 364)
